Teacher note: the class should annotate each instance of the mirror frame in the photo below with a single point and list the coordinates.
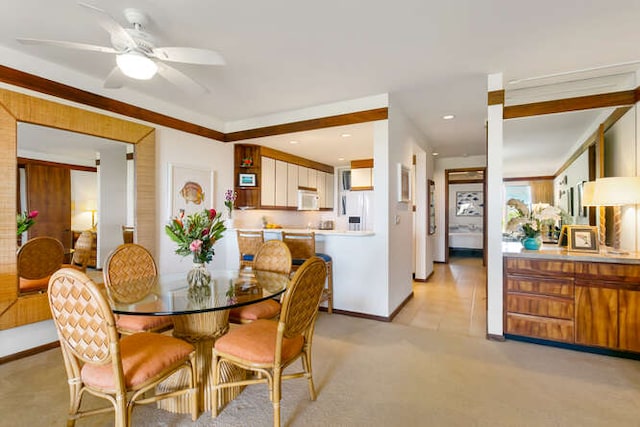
(15, 309)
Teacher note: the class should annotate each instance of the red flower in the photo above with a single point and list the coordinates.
(32, 214)
(212, 213)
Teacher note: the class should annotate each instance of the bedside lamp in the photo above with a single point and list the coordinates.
(614, 191)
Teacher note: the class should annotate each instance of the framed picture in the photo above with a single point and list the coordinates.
(582, 238)
(191, 189)
(431, 206)
(404, 184)
(247, 180)
(469, 203)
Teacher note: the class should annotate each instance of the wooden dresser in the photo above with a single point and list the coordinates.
(584, 301)
(94, 248)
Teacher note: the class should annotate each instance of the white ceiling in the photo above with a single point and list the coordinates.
(433, 58)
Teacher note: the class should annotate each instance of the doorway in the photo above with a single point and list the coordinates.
(465, 221)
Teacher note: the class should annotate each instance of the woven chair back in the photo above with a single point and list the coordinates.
(40, 257)
(82, 316)
(302, 297)
(301, 245)
(82, 249)
(249, 241)
(129, 273)
(273, 255)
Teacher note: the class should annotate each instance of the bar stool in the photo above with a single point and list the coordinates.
(302, 247)
(248, 244)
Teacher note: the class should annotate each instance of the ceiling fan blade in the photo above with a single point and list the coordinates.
(181, 80)
(69, 45)
(115, 79)
(112, 26)
(189, 55)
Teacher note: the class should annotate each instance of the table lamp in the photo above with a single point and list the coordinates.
(614, 191)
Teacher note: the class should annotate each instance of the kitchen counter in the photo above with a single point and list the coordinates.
(515, 249)
(318, 232)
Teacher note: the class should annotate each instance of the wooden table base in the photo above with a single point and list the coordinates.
(202, 330)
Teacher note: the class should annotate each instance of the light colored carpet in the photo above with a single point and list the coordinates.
(370, 373)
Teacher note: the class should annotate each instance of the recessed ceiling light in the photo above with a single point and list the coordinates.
(345, 135)
(293, 142)
(434, 153)
(340, 158)
(448, 117)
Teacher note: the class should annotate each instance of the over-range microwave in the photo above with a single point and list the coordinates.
(308, 200)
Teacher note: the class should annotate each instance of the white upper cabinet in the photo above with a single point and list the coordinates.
(303, 176)
(312, 179)
(281, 183)
(292, 185)
(268, 184)
(329, 193)
(320, 186)
(362, 174)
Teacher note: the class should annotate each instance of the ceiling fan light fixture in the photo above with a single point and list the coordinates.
(136, 65)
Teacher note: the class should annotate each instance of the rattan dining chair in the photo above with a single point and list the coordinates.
(303, 247)
(37, 260)
(82, 251)
(272, 255)
(248, 243)
(129, 274)
(267, 347)
(98, 362)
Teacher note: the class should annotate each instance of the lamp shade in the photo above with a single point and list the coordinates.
(136, 65)
(612, 191)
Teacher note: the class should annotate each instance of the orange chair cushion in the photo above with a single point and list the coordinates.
(256, 342)
(263, 310)
(144, 356)
(27, 285)
(133, 323)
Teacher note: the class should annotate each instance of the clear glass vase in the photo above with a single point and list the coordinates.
(198, 276)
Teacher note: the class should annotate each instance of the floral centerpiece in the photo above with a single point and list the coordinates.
(25, 220)
(230, 197)
(195, 235)
(530, 223)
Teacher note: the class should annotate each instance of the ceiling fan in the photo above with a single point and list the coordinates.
(137, 56)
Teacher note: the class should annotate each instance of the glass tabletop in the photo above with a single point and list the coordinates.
(170, 293)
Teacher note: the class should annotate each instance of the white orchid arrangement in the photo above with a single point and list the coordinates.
(529, 222)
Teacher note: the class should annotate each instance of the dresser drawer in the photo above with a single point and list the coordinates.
(539, 327)
(541, 285)
(538, 267)
(605, 272)
(559, 308)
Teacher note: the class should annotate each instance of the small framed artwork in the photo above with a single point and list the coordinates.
(191, 189)
(582, 238)
(469, 203)
(431, 206)
(404, 184)
(247, 180)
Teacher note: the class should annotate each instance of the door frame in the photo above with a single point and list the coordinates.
(484, 207)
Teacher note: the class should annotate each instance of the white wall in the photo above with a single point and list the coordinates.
(440, 165)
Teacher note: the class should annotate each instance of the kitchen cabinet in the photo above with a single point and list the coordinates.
(320, 185)
(279, 175)
(268, 187)
(362, 175)
(303, 176)
(281, 183)
(591, 304)
(329, 190)
(292, 185)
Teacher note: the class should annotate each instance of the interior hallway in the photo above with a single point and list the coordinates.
(452, 300)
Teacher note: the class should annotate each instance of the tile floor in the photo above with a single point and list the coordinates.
(452, 300)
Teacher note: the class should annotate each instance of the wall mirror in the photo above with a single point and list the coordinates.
(16, 309)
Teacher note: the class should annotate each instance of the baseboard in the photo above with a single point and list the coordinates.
(372, 316)
(29, 352)
(423, 280)
(494, 337)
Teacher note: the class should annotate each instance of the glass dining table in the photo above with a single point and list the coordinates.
(200, 316)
